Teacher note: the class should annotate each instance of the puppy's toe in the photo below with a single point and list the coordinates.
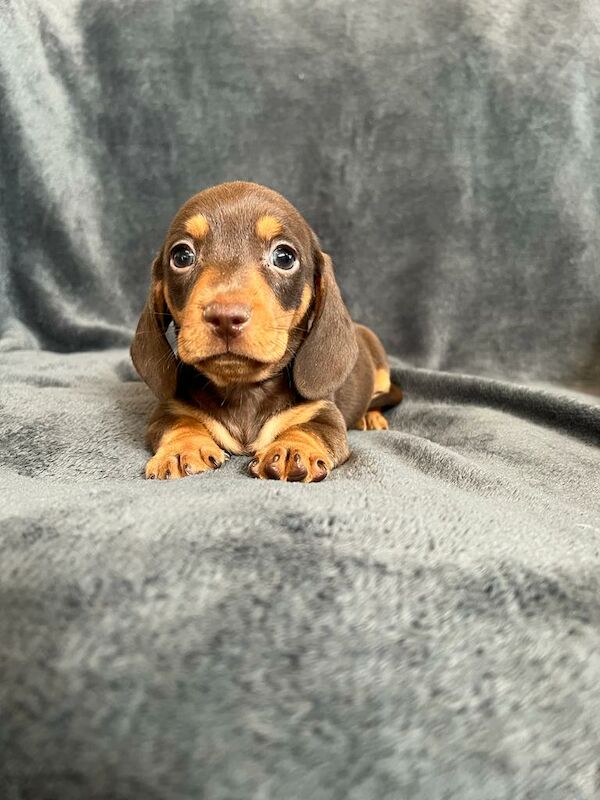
(270, 464)
(163, 467)
(372, 421)
(214, 456)
(319, 470)
(201, 460)
(297, 469)
(293, 459)
(180, 458)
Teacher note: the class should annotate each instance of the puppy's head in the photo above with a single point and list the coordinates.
(243, 279)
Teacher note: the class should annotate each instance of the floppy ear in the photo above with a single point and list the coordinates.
(330, 350)
(150, 351)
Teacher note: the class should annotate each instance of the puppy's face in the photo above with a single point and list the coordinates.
(237, 276)
(243, 278)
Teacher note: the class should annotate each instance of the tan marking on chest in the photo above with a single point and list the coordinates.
(297, 415)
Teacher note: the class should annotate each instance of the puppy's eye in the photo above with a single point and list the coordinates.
(283, 257)
(182, 256)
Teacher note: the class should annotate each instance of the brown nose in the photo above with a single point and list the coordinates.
(227, 319)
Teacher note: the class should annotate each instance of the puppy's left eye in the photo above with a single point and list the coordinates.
(283, 257)
(182, 256)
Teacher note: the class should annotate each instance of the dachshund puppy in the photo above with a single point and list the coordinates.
(268, 361)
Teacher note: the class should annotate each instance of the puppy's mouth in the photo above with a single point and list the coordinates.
(232, 354)
(231, 368)
(226, 361)
(229, 360)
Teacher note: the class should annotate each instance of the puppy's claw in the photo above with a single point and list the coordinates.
(297, 471)
(321, 471)
(271, 471)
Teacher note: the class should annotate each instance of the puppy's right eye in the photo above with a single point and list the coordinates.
(182, 256)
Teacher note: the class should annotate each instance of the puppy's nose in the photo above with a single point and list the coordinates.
(227, 319)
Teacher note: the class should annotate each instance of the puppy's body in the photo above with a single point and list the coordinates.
(268, 361)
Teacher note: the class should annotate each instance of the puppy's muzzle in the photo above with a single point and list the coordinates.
(227, 320)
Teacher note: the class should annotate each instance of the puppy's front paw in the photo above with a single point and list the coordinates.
(294, 456)
(373, 421)
(185, 456)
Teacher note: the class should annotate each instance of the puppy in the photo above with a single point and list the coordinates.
(268, 361)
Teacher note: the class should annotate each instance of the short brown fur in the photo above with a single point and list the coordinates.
(282, 382)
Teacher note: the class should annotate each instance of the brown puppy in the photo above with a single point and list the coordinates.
(268, 361)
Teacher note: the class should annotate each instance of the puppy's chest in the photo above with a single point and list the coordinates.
(245, 413)
(245, 422)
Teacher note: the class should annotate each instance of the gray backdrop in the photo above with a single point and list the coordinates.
(446, 153)
(425, 624)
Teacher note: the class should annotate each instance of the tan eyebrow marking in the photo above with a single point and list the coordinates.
(197, 226)
(268, 227)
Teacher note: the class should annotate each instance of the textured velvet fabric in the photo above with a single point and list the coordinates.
(425, 623)
(445, 152)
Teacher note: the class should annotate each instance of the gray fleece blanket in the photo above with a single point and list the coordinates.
(425, 624)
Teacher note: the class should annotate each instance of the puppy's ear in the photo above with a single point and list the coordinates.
(329, 352)
(151, 353)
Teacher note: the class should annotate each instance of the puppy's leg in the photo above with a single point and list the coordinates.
(182, 445)
(308, 441)
(385, 393)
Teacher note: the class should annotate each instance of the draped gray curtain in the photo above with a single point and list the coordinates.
(445, 152)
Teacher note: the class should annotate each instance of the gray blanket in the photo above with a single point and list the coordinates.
(426, 622)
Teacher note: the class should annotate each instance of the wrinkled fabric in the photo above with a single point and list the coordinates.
(445, 153)
(423, 624)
